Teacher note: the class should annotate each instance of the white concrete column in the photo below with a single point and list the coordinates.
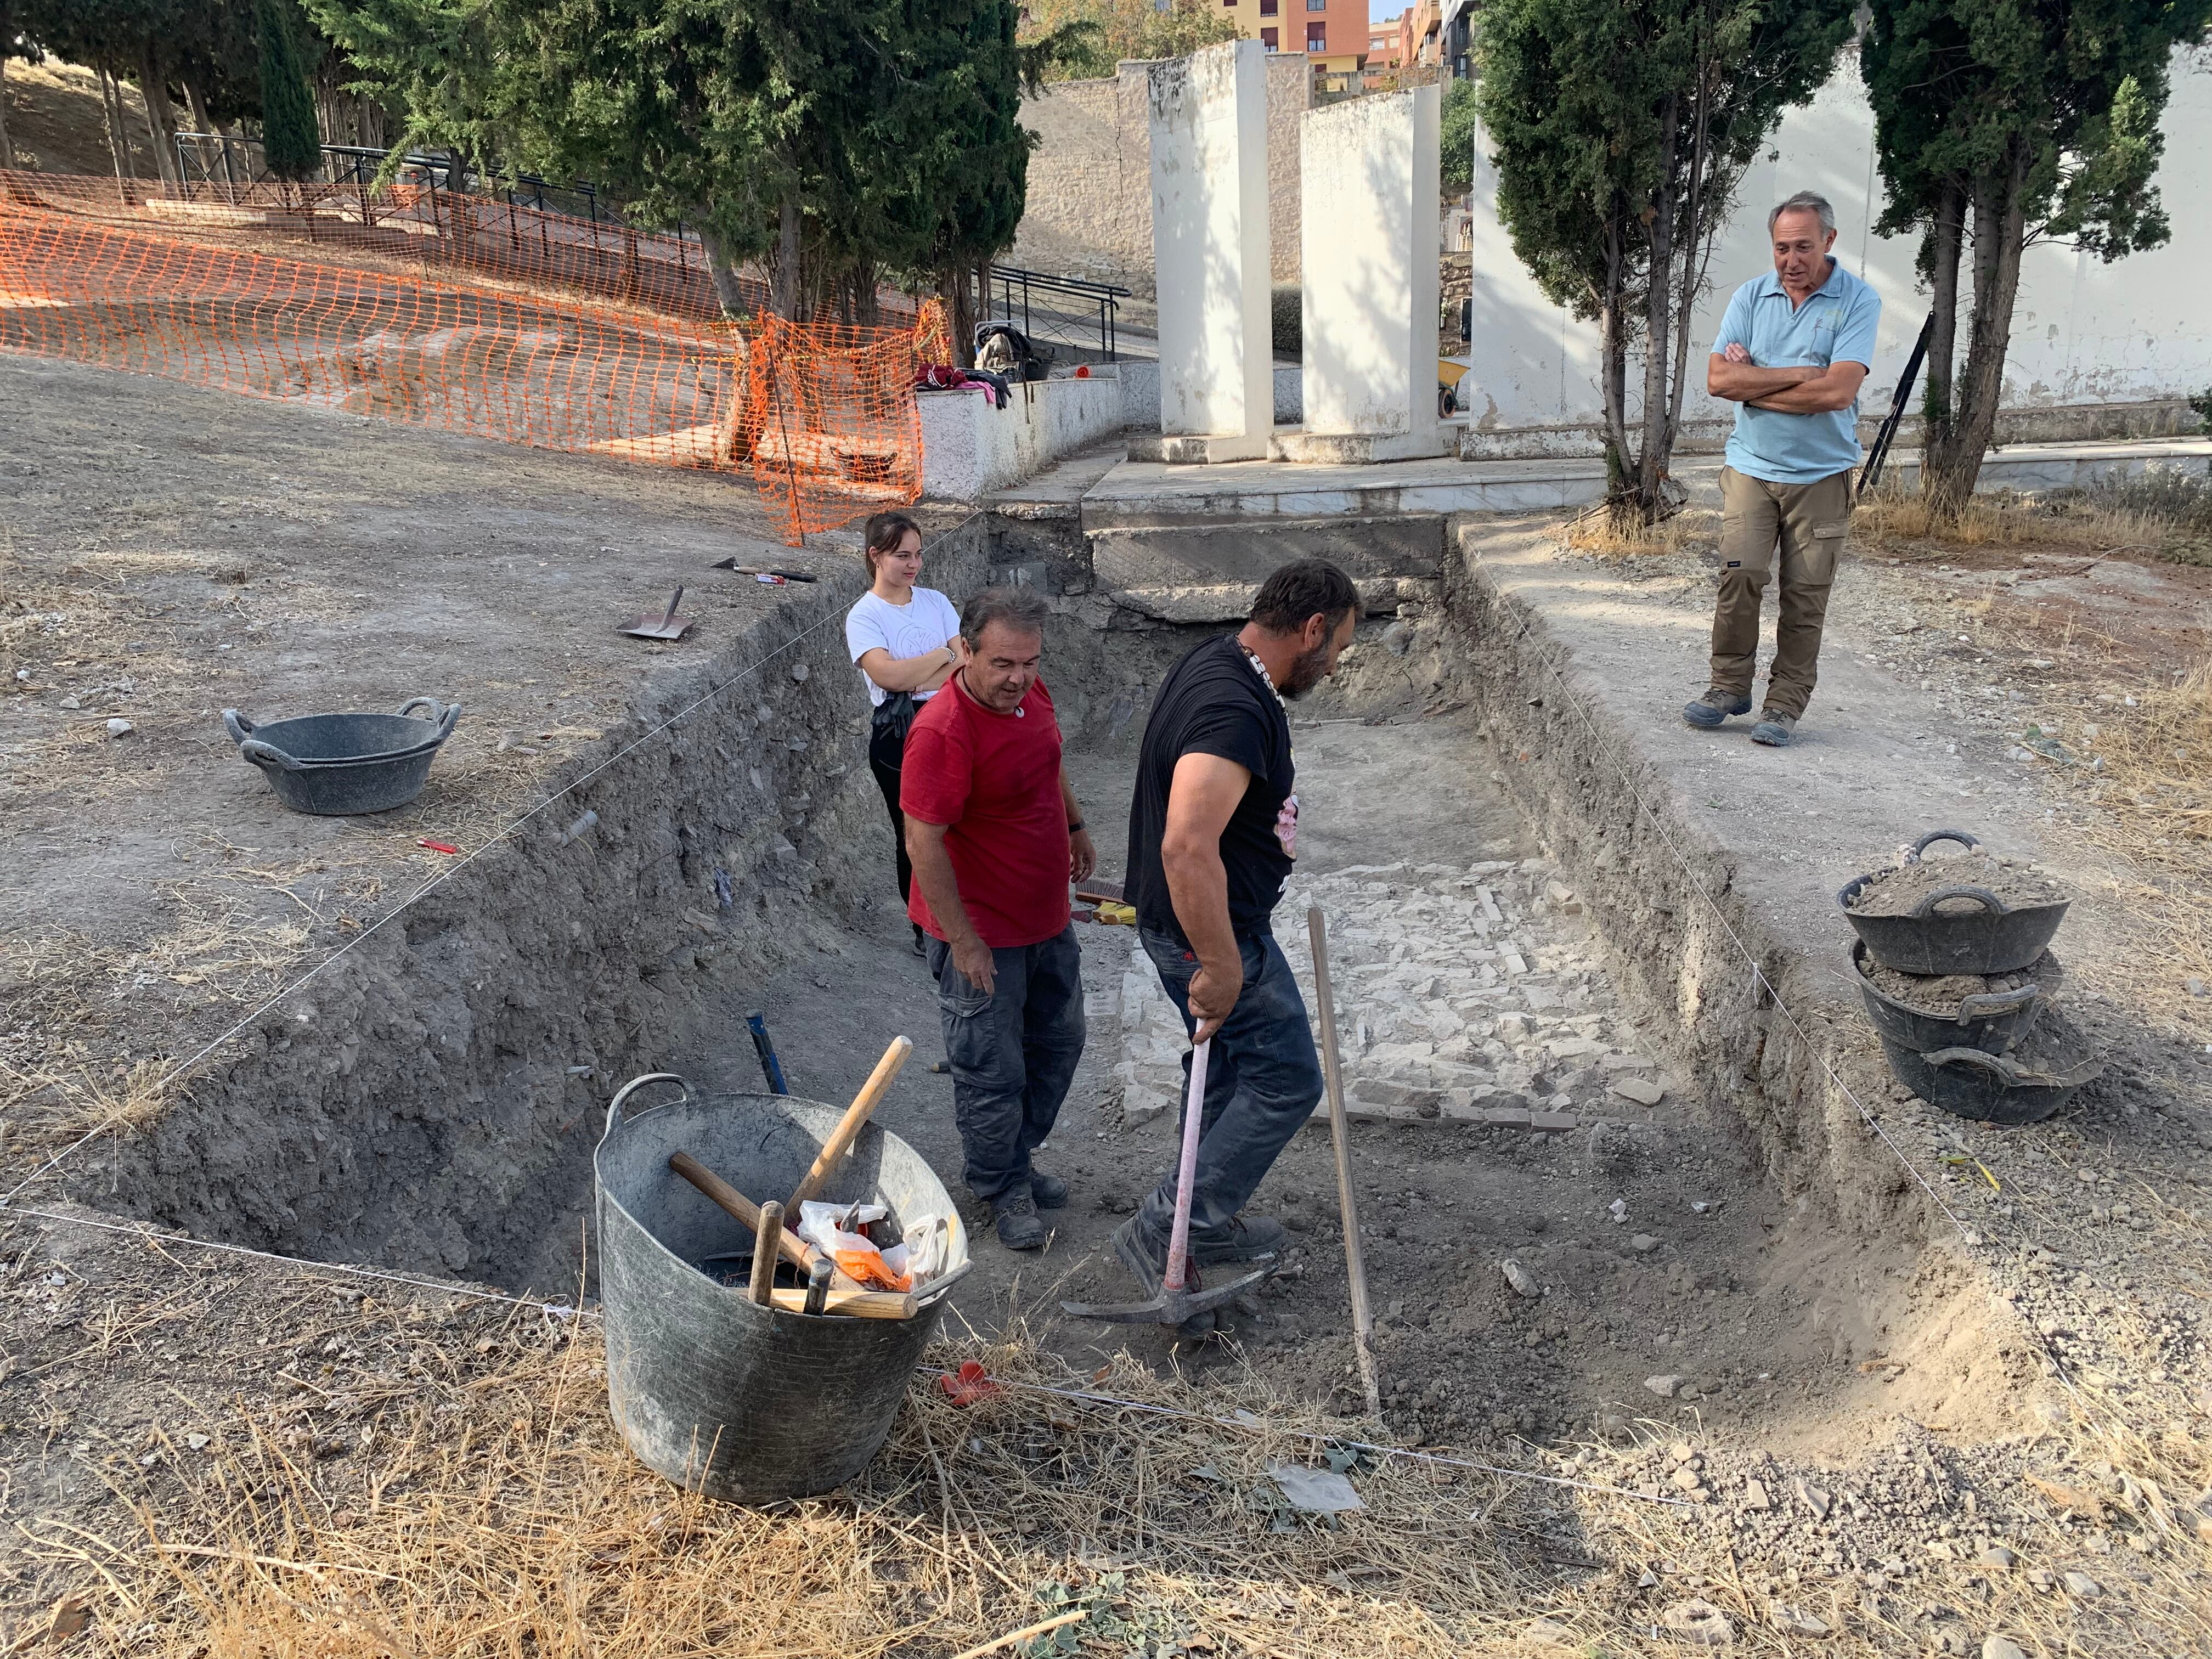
(1368, 252)
(1210, 263)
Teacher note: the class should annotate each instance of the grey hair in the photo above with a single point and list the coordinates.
(1805, 200)
(1019, 608)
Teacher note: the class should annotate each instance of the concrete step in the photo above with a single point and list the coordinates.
(1200, 553)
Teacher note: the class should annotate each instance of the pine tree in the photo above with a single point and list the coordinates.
(291, 141)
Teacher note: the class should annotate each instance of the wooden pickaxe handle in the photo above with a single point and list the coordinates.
(849, 1127)
(789, 1244)
(854, 1305)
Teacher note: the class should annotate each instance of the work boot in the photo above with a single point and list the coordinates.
(1020, 1227)
(1774, 728)
(1050, 1192)
(1143, 1255)
(1249, 1238)
(1714, 707)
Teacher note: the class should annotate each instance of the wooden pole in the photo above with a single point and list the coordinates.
(1363, 1318)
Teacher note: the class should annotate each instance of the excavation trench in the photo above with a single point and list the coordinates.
(1513, 934)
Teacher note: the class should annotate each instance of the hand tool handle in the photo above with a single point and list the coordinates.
(676, 600)
(788, 1245)
(817, 1286)
(1339, 1134)
(849, 1127)
(1193, 1112)
(768, 1239)
(854, 1305)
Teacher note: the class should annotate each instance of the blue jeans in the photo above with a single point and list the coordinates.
(1262, 1081)
(1013, 1052)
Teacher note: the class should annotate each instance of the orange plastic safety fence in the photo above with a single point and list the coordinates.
(831, 418)
(96, 271)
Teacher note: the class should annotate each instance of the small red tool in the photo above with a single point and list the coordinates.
(440, 846)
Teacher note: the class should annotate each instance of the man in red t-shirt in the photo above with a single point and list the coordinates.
(995, 836)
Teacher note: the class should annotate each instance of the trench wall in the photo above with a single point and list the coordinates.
(431, 1101)
(1672, 952)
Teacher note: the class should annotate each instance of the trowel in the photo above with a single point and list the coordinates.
(668, 627)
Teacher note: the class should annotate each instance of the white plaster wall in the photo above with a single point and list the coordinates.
(2083, 333)
(969, 448)
(1209, 136)
(1140, 395)
(1369, 219)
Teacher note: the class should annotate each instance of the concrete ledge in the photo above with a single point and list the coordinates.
(1180, 554)
(1196, 449)
(1361, 448)
(969, 447)
(1223, 602)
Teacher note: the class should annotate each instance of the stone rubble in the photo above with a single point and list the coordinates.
(1473, 995)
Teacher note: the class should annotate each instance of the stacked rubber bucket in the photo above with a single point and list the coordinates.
(1998, 1056)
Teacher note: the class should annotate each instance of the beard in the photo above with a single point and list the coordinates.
(1308, 670)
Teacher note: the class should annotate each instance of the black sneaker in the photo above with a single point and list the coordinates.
(1774, 729)
(1049, 1191)
(1019, 1228)
(1714, 707)
(1249, 1238)
(1145, 1256)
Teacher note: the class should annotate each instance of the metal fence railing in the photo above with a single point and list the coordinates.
(1073, 310)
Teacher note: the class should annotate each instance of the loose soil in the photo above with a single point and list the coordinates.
(1942, 995)
(1899, 891)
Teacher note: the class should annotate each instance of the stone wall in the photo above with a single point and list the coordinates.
(1089, 210)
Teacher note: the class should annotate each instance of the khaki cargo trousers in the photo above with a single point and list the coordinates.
(1808, 522)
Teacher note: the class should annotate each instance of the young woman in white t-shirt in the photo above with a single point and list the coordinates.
(907, 642)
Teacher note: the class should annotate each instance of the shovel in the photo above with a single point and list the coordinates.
(1180, 1296)
(669, 627)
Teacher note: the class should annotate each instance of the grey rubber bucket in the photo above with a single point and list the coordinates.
(336, 765)
(709, 1389)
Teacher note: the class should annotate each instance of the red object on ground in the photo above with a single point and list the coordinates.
(1083, 371)
(438, 845)
(970, 1384)
(995, 780)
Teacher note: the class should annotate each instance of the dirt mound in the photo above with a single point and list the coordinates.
(1895, 892)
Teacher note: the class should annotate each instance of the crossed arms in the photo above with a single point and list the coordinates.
(1803, 389)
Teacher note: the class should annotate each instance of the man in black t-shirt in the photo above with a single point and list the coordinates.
(1212, 830)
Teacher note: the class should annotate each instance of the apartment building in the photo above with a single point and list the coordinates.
(1265, 21)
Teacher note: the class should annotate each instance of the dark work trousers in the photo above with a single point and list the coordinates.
(1014, 1053)
(1262, 1081)
(886, 750)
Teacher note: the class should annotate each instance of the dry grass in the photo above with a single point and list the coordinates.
(496, 1514)
(1602, 531)
(2162, 510)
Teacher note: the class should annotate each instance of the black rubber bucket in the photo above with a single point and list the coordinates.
(336, 765)
(1992, 1021)
(709, 1389)
(2046, 1069)
(1991, 938)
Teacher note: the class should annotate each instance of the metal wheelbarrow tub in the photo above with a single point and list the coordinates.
(336, 765)
(711, 1389)
(1992, 1021)
(1991, 938)
(2048, 1068)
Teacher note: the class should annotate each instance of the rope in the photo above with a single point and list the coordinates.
(185, 1067)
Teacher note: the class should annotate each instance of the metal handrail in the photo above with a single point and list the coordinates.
(1106, 296)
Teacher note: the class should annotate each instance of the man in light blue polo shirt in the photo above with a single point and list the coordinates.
(1794, 346)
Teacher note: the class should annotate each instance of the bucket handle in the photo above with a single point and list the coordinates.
(2013, 1073)
(1934, 835)
(444, 715)
(615, 1106)
(1987, 901)
(238, 725)
(268, 754)
(1997, 1002)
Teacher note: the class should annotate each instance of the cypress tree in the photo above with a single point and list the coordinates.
(291, 142)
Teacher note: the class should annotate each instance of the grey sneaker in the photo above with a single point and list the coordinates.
(1050, 1192)
(1019, 1225)
(1249, 1238)
(1714, 707)
(1774, 728)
